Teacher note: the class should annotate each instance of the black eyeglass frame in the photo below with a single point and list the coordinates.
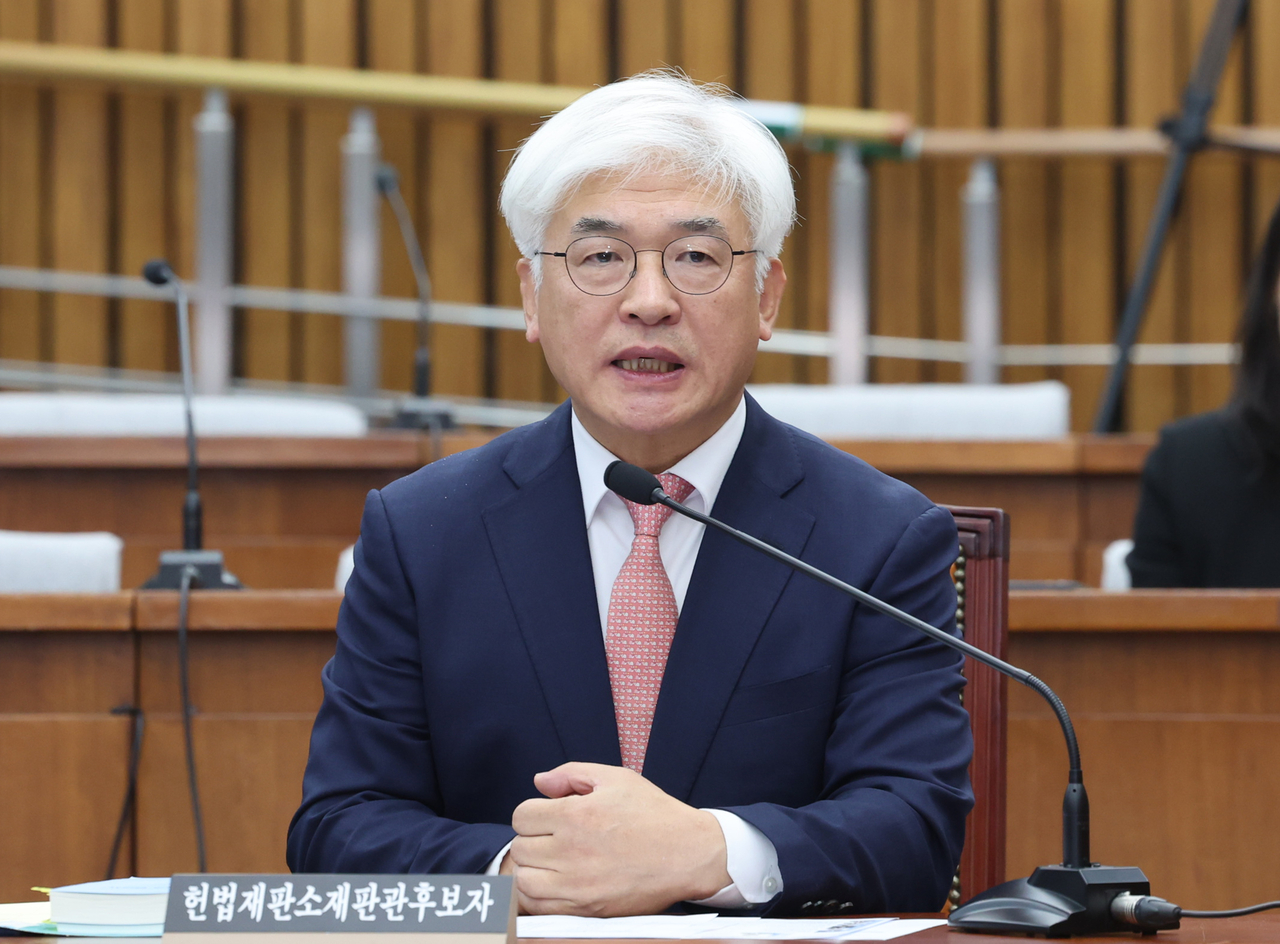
(635, 254)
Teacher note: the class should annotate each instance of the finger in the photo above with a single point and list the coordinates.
(571, 778)
(540, 852)
(542, 886)
(536, 817)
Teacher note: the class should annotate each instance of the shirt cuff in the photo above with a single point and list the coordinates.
(496, 864)
(752, 863)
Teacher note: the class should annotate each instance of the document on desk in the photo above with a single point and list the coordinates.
(714, 926)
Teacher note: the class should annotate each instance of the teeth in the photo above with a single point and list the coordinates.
(647, 364)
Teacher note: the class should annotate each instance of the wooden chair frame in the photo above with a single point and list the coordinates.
(982, 587)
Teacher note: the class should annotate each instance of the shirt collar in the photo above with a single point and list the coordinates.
(704, 468)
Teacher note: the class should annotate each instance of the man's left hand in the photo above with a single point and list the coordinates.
(607, 842)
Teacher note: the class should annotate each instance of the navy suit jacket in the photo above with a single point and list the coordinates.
(470, 657)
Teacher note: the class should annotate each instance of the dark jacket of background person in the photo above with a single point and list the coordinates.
(1209, 515)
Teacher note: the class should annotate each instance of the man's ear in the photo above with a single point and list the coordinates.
(771, 297)
(528, 299)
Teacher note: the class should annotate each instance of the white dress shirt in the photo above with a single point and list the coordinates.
(752, 860)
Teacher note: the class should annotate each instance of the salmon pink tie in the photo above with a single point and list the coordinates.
(642, 623)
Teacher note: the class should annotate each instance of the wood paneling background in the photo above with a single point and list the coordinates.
(99, 181)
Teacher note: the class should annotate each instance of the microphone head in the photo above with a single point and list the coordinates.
(158, 272)
(632, 482)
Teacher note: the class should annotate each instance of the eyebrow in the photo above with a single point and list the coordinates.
(701, 224)
(595, 224)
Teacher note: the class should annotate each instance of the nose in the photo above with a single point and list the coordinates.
(649, 298)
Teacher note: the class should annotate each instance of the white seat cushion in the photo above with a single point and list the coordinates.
(1115, 565)
(922, 411)
(38, 562)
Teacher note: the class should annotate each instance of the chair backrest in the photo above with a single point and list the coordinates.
(39, 562)
(982, 586)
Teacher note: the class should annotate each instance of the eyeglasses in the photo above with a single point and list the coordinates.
(694, 265)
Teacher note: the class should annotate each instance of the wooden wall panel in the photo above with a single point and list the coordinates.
(1086, 209)
(91, 180)
(392, 33)
(327, 34)
(1213, 205)
(257, 695)
(80, 192)
(1265, 87)
(22, 220)
(832, 64)
(769, 72)
(643, 39)
(958, 48)
(1184, 742)
(900, 195)
(1151, 49)
(1025, 99)
(708, 40)
(65, 755)
(268, 144)
(519, 41)
(200, 28)
(457, 208)
(146, 331)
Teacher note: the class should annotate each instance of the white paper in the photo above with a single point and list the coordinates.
(713, 927)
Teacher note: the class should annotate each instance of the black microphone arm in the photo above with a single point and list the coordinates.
(208, 571)
(422, 410)
(158, 272)
(1074, 898)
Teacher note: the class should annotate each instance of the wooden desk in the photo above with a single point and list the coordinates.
(282, 509)
(1175, 701)
(1173, 695)
(1261, 928)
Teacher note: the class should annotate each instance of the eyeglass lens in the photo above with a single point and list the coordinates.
(602, 265)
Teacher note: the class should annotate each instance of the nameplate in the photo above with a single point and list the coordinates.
(474, 909)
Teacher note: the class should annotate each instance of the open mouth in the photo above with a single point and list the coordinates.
(647, 365)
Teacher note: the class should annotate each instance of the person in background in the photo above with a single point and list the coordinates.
(1209, 513)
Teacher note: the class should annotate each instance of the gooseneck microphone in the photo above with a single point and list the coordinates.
(388, 180)
(422, 410)
(158, 272)
(1076, 897)
(208, 573)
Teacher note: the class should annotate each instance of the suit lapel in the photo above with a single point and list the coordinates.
(539, 538)
(731, 595)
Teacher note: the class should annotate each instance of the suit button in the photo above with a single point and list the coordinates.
(846, 907)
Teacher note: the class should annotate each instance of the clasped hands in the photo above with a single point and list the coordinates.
(607, 842)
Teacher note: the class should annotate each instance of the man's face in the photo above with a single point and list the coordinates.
(650, 363)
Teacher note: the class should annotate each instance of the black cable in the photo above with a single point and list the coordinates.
(189, 573)
(131, 789)
(1233, 913)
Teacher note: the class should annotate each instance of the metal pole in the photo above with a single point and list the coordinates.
(849, 300)
(981, 198)
(215, 145)
(361, 250)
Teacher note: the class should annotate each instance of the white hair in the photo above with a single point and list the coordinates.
(653, 122)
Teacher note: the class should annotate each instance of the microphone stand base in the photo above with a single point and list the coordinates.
(1056, 901)
(210, 572)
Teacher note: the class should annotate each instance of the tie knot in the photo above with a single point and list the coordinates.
(649, 519)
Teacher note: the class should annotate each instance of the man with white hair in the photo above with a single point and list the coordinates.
(534, 676)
